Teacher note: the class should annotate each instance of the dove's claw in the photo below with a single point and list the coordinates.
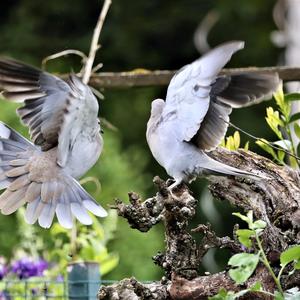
(174, 186)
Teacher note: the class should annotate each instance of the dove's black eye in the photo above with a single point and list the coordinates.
(196, 87)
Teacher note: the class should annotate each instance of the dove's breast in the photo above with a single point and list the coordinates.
(177, 157)
(84, 154)
(163, 145)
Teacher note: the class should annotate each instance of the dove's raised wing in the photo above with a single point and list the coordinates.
(235, 91)
(188, 96)
(54, 110)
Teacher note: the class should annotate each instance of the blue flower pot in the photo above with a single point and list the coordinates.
(83, 280)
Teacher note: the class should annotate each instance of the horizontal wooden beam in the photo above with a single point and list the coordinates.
(145, 78)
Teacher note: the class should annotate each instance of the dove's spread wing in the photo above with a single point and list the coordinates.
(54, 110)
(188, 96)
(235, 91)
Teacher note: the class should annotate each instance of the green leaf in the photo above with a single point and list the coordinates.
(264, 145)
(280, 155)
(297, 130)
(279, 96)
(278, 296)
(109, 264)
(274, 121)
(294, 117)
(259, 224)
(246, 147)
(237, 140)
(297, 265)
(290, 255)
(284, 105)
(244, 236)
(298, 150)
(230, 143)
(256, 287)
(244, 218)
(250, 216)
(292, 97)
(285, 144)
(57, 229)
(223, 295)
(87, 253)
(244, 265)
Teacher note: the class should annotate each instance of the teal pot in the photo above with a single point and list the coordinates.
(83, 280)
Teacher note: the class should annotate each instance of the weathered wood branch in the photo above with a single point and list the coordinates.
(275, 199)
(131, 289)
(145, 78)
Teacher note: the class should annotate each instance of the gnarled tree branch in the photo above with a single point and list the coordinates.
(275, 199)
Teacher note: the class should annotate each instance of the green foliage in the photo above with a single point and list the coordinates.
(229, 295)
(233, 142)
(244, 264)
(255, 226)
(85, 244)
(280, 122)
(244, 236)
(291, 255)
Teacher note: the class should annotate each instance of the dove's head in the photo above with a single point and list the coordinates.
(157, 106)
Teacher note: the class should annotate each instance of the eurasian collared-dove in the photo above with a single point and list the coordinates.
(190, 123)
(62, 117)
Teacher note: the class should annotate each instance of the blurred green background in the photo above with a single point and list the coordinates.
(137, 34)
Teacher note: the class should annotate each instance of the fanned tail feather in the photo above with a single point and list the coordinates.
(62, 196)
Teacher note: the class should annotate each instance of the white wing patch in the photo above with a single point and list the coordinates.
(188, 96)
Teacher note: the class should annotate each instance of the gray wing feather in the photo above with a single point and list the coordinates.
(188, 96)
(44, 98)
(213, 128)
(235, 91)
(51, 105)
(240, 90)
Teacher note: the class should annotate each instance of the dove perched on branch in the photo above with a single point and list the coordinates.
(194, 118)
(62, 117)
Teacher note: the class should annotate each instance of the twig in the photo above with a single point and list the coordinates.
(94, 180)
(94, 44)
(109, 125)
(97, 68)
(63, 53)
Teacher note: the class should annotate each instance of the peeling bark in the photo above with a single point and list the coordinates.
(276, 200)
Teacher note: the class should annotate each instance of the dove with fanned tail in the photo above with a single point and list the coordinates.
(62, 117)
